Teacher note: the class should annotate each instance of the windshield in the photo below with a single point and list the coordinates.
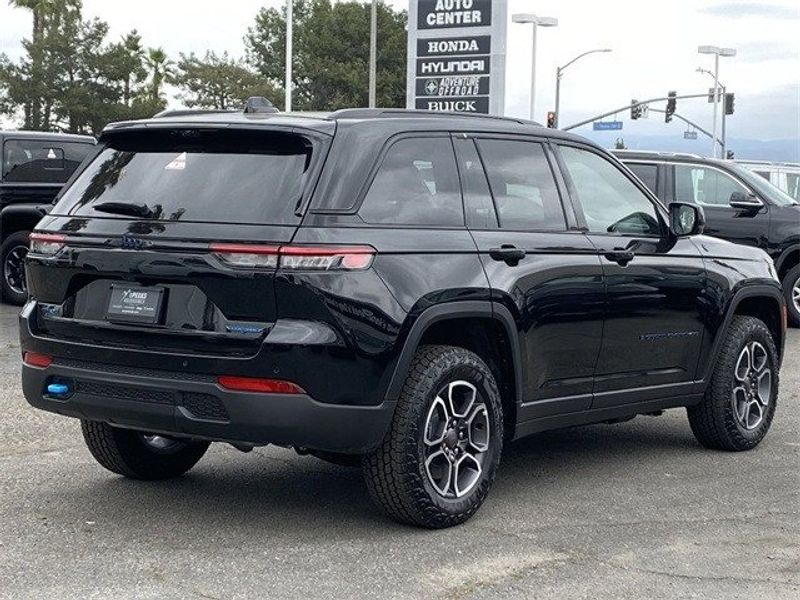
(194, 175)
(763, 187)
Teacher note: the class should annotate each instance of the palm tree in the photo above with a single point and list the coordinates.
(162, 70)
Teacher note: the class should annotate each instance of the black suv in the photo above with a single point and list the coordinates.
(407, 291)
(33, 168)
(740, 206)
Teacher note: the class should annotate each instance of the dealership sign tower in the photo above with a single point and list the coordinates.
(457, 55)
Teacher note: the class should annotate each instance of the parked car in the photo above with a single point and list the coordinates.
(740, 206)
(405, 290)
(33, 168)
(783, 175)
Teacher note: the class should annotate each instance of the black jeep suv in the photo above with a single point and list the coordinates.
(407, 291)
(33, 168)
(740, 206)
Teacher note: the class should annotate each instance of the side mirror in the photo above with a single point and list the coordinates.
(686, 219)
(745, 201)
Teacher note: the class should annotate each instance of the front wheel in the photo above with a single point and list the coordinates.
(140, 455)
(12, 267)
(740, 401)
(791, 290)
(439, 458)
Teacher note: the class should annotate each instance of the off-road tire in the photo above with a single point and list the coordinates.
(790, 281)
(395, 472)
(713, 420)
(125, 452)
(12, 242)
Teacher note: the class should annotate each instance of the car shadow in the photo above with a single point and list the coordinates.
(280, 494)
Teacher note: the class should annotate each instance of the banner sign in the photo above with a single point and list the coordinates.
(456, 55)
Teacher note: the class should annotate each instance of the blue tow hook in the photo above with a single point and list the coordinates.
(57, 389)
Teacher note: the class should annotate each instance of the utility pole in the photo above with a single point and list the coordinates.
(289, 37)
(527, 18)
(373, 54)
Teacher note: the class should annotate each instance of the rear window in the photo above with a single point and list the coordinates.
(41, 161)
(194, 175)
(647, 173)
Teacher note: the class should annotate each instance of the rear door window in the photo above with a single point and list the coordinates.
(416, 184)
(648, 173)
(194, 175)
(522, 184)
(41, 161)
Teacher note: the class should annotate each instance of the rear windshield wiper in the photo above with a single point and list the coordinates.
(123, 208)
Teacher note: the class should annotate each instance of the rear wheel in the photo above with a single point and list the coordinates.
(739, 404)
(438, 461)
(12, 267)
(140, 455)
(791, 289)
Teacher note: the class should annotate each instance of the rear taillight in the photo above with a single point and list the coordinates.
(261, 386)
(326, 258)
(35, 359)
(47, 243)
(247, 255)
(297, 258)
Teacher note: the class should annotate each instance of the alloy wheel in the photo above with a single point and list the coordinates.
(752, 385)
(796, 295)
(14, 269)
(456, 439)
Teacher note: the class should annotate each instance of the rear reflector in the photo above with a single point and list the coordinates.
(262, 386)
(296, 258)
(34, 359)
(47, 243)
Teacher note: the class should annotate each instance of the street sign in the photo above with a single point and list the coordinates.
(690, 135)
(456, 55)
(607, 125)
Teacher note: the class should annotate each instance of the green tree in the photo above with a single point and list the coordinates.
(162, 71)
(72, 79)
(331, 53)
(219, 82)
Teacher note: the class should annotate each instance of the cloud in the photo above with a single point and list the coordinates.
(737, 10)
(760, 51)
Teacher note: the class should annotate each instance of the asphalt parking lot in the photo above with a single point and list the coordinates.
(634, 510)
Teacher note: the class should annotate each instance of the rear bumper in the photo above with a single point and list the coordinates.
(196, 406)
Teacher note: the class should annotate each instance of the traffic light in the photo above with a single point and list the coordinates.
(672, 103)
(729, 101)
(636, 109)
(729, 155)
(551, 120)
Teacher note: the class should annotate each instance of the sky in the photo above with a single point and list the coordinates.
(654, 50)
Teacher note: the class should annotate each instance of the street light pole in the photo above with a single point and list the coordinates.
(289, 38)
(717, 52)
(373, 54)
(559, 73)
(723, 141)
(536, 22)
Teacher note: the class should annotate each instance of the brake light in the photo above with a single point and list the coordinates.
(262, 386)
(299, 258)
(35, 359)
(48, 244)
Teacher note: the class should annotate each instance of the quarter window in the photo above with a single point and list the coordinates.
(611, 202)
(705, 186)
(522, 185)
(647, 173)
(417, 184)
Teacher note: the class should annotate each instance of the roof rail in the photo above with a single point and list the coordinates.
(376, 113)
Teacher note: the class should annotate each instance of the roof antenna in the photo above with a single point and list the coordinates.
(259, 104)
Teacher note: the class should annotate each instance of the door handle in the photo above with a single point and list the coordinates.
(620, 256)
(508, 253)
